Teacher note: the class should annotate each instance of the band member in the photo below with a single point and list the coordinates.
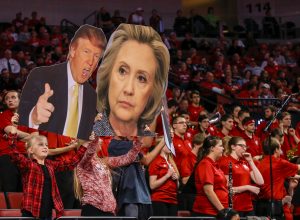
(244, 171)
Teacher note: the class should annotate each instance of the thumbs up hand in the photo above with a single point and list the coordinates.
(43, 109)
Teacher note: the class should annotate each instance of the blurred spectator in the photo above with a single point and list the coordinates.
(184, 76)
(235, 48)
(178, 58)
(174, 42)
(278, 57)
(180, 24)
(239, 129)
(245, 77)
(238, 61)
(18, 21)
(248, 92)
(196, 23)
(290, 59)
(229, 86)
(191, 67)
(270, 26)
(6, 81)
(183, 105)
(34, 41)
(104, 20)
(48, 59)
(195, 107)
(253, 67)
(57, 54)
(211, 17)
(210, 85)
(20, 57)
(155, 22)
(21, 78)
(137, 17)
(34, 21)
(56, 36)
(269, 113)
(9, 63)
(12, 33)
(271, 67)
(218, 71)
(265, 92)
(24, 34)
(117, 18)
(188, 42)
(203, 67)
(265, 77)
(196, 59)
(250, 41)
(45, 40)
(6, 40)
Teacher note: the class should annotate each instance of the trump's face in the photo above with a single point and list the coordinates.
(84, 57)
(131, 81)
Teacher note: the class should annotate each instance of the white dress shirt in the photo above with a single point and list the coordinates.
(71, 84)
(15, 66)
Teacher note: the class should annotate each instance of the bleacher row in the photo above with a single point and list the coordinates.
(10, 208)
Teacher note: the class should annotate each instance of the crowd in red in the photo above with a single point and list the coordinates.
(233, 69)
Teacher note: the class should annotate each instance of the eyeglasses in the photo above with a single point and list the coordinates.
(243, 145)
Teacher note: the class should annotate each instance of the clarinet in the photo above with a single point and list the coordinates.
(230, 188)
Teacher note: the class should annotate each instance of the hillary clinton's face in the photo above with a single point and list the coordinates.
(131, 81)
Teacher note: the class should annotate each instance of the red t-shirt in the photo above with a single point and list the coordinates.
(5, 120)
(220, 134)
(208, 86)
(183, 148)
(254, 145)
(240, 176)
(208, 172)
(282, 169)
(212, 130)
(260, 129)
(190, 133)
(194, 112)
(167, 192)
(236, 132)
(187, 165)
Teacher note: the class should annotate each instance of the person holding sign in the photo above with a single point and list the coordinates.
(164, 180)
